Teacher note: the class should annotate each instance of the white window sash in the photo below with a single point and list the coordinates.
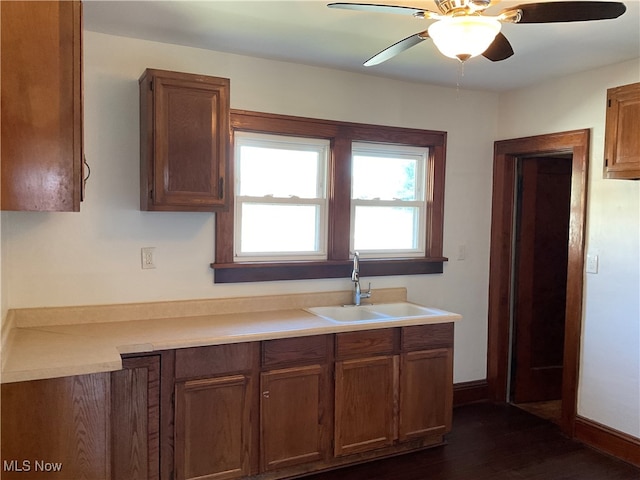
(322, 148)
(420, 155)
(420, 220)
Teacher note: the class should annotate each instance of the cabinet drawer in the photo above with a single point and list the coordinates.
(300, 350)
(369, 342)
(419, 337)
(214, 360)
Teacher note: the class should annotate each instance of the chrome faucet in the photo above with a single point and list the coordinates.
(358, 294)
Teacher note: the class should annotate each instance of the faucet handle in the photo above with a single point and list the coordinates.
(367, 294)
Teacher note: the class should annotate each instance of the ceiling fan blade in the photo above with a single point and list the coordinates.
(379, 8)
(551, 12)
(500, 49)
(396, 48)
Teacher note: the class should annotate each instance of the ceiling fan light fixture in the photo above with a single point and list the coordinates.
(464, 36)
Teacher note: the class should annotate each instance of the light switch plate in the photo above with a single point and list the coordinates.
(592, 263)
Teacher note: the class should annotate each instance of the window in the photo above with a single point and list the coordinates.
(309, 192)
(387, 200)
(280, 198)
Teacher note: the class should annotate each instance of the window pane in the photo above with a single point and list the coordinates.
(385, 228)
(386, 178)
(270, 171)
(279, 228)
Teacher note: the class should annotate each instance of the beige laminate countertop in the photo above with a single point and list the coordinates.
(49, 343)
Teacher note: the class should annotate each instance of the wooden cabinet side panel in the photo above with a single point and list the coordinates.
(62, 422)
(135, 420)
(41, 106)
(426, 393)
(213, 428)
(365, 404)
(295, 427)
(146, 142)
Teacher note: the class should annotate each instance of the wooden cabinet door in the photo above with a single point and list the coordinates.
(365, 404)
(294, 421)
(426, 393)
(135, 419)
(213, 428)
(41, 106)
(184, 144)
(622, 140)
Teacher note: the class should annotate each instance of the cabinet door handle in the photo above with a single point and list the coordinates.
(265, 394)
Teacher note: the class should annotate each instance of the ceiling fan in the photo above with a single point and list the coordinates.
(461, 29)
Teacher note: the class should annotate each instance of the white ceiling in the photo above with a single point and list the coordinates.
(306, 31)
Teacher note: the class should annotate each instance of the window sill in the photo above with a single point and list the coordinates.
(263, 271)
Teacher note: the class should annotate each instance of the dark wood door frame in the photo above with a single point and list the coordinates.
(506, 154)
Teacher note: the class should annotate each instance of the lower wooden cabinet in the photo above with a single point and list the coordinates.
(212, 429)
(259, 410)
(215, 415)
(56, 428)
(404, 393)
(426, 381)
(287, 407)
(426, 393)
(295, 402)
(293, 426)
(366, 394)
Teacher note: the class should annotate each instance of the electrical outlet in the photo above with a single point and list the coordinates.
(147, 257)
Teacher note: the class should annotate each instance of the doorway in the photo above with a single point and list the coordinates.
(521, 159)
(540, 250)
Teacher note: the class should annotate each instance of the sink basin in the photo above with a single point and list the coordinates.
(348, 313)
(380, 312)
(403, 310)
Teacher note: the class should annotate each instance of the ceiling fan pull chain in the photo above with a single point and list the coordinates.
(460, 76)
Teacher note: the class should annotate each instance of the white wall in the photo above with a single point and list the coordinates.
(55, 259)
(609, 385)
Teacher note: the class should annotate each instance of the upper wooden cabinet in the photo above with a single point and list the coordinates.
(41, 105)
(184, 128)
(622, 133)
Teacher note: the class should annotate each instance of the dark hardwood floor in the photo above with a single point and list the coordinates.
(495, 442)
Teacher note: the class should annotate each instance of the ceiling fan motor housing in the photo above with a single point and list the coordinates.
(447, 6)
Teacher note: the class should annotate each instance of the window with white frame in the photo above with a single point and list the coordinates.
(280, 197)
(388, 200)
(309, 192)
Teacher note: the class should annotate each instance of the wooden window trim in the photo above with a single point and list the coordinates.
(341, 135)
